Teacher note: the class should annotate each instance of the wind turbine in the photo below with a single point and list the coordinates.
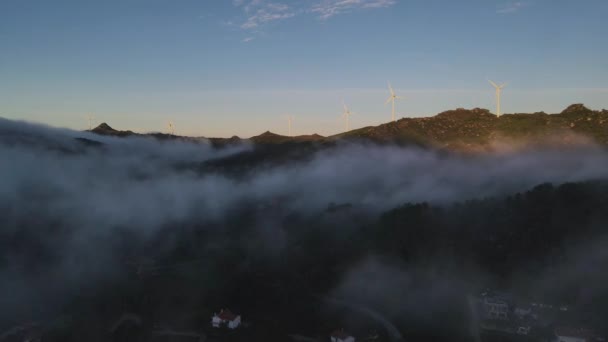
(171, 128)
(498, 91)
(392, 99)
(290, 119)
(346, 115)
(90, 118)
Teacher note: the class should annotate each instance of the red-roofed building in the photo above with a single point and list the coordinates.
(341, 336)
(226, 318)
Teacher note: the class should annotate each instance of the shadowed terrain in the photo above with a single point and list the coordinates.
(98, 226)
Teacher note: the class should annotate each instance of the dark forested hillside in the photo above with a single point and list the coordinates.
(300, 237)
(518, 243)
(505, 234)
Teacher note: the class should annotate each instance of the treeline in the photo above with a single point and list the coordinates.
(269, 262)
(502, 234)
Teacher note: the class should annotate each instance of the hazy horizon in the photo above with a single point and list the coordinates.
(283, 131)
(223, 68)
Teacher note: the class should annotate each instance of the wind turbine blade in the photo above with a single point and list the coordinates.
(390, 88)
(388, 100)
(503, 85)
(493, 84)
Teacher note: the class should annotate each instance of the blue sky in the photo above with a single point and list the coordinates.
(224, 67)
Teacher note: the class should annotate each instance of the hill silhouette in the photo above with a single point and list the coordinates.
(269, 138)
(273, 138)
(459, 130)
(478, 129)
(105, 129)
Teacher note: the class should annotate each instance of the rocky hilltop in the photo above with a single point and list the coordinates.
(475, 129)
(105, 129)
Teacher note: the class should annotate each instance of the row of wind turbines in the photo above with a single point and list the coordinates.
(394, 97)
(347, 113)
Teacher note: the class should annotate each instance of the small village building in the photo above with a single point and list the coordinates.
(522, 312)
(523, 330)
(496, 305)
(341, 336)
(496, 308)
(226, 319)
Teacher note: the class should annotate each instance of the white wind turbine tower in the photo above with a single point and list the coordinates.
(346, 115)
(290, 119)
(392, 99)
(90, 118)
(171, 128)
(498, 91)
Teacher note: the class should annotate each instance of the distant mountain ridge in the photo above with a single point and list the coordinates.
(262, 139)
(459, 129)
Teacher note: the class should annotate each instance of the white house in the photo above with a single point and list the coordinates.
(341, 336)
(226, 318)
(496, 308)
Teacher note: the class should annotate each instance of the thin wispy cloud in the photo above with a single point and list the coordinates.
(260, 12)
(511, 7)
(247, 39)
(330, 8)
